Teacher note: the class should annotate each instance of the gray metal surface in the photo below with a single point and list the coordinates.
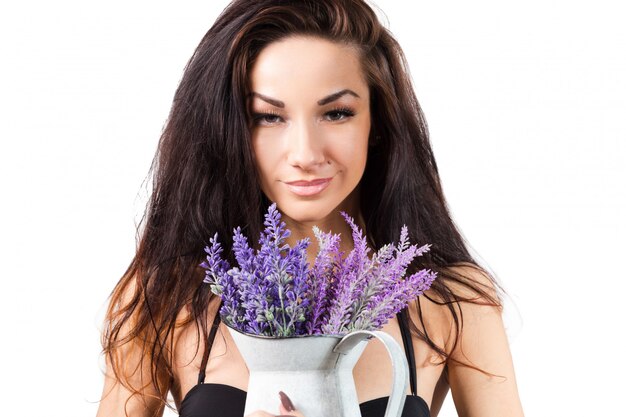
(315, 372)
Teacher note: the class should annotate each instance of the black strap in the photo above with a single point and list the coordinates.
(404, 330)
(207, 348)
(403, 322)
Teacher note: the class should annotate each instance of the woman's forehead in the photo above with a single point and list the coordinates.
(307, 67)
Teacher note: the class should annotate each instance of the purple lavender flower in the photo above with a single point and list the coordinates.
(214, 265)
(371, 291)
(351, 280)
(275, 292)
(386, 304)
(297, 306)
(320, 278)
(222, 284)
(286, 269)
(267, 293)
(243, 252)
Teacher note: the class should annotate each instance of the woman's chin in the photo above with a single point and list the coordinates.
(306, 211)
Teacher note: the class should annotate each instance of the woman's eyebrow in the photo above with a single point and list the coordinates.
(335, 96)
(272, 101)
(328, 99)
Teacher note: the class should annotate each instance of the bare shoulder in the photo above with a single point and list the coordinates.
(471, 283)
(469, 293)
(189, 345)
(480, 366)
(224, 363)
(127, 382)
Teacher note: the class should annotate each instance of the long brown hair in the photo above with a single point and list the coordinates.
(204, 179)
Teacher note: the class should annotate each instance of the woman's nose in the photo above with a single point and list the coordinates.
(305, 146)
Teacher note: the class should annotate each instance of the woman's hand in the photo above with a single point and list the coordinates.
(286, 409)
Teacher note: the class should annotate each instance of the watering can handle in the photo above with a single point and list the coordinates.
(398, 361)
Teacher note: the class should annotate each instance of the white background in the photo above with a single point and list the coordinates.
(525, 103)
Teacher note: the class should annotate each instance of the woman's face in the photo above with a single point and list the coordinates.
(309, 105)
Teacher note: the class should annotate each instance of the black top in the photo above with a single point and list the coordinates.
(219, 400)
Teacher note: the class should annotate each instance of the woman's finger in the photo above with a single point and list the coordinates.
(285, 402)
(286, 407)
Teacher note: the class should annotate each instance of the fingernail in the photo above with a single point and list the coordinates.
(286, 401)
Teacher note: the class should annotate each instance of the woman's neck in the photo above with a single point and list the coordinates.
(334, 223)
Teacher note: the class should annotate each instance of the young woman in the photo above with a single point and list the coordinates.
(307, 104)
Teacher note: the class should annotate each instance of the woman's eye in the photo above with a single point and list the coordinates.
(265, 118)
(268, 119)
(339, 114)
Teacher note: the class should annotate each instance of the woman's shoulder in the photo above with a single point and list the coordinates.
(465, 292)
(188, 346)
(462, 283)
(187, 327)
(478, 348)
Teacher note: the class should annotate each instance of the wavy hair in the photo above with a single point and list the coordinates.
(204, 179)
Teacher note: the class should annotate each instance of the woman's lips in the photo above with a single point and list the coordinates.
(308, 188)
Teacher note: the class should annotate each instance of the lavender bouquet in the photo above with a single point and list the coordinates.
(275, 292)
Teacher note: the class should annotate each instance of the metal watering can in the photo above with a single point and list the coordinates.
(315, 371)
